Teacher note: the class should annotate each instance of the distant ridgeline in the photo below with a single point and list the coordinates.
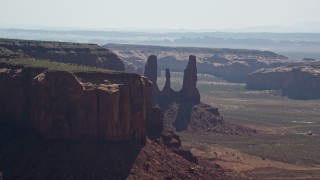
(74, 53)
(231, 64)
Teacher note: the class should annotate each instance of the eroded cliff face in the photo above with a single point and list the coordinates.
(295, 82)
(303, 83)
(182, 109)
(189, 89)
(270, 79)
(64, 105)
(84, 54)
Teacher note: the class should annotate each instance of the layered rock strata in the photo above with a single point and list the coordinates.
(64, 105)
(183, 108)
(151, 73)
(295, 82)
(75, 53)
(189, 89)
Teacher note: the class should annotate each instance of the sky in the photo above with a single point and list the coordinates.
(162, 14)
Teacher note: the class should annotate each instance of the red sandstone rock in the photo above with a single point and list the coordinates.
(296, 82)
(84, 54)
(167, 91)
(155, 123)
(64, 105)
(151, 73)
(189, 89)
(151, 69)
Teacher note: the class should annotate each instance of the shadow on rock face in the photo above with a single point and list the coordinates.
(24, 155)
(184, 115)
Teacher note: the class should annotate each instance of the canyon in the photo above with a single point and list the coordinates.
(90, 124)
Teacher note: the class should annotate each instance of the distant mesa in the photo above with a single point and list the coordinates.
(75, 53)
(299, 82)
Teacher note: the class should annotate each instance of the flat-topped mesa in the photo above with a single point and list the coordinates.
(76, 106)
(300, 82)
(73, 53)
(167, 90)
(151, 73)
(189, 89)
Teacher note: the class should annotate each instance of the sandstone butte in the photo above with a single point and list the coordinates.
(301, 82)
(65, 105)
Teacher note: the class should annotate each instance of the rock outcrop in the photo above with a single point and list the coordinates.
(268, 79)
(189, 89)
(151, 69)
(75, 53)
(155, 123)
(183, 109)
(172, 141)
(65, 105)
(151, 73)
(167, 91)
(302, 82)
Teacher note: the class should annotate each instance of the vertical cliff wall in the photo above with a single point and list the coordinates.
(189, 89)
(64, 105)
(302, 82)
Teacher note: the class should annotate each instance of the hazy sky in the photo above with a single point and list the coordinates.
(159, 14)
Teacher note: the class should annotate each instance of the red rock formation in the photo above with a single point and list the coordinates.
(151, 69)
(156, 119)
(295, 82)
(303, 83)
(269, 79)
(155, 123)
(172, 141)
(64, 105)
(151, 73)
(84, 54)
(189, 89)
(167, 91)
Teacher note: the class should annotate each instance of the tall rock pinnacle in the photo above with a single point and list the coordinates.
(189, 88)
(151, 73)
(167, 87)
(151, 69)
